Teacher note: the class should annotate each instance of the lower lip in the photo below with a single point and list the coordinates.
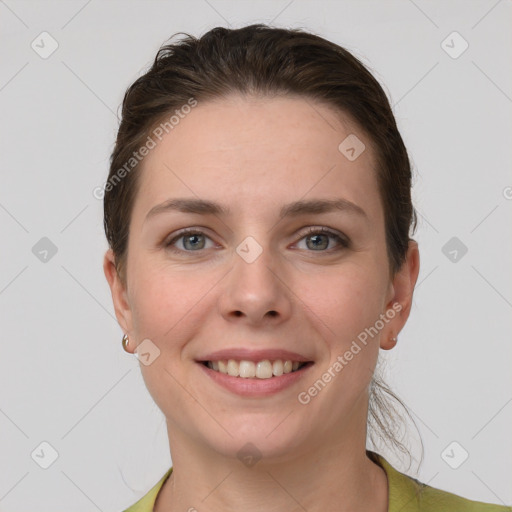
(255, 387)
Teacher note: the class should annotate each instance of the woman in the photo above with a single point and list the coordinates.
(258, 211)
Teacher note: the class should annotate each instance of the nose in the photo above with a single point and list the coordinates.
(256, 293)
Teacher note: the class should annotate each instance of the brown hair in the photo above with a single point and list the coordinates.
(265, 61)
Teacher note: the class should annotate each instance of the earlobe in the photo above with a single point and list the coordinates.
(389, 343)
(118, 292)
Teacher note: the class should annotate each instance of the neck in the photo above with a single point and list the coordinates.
(307, 480)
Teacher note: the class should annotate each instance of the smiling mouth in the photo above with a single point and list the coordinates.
(265, 369)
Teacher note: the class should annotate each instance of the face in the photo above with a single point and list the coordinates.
(272, 268)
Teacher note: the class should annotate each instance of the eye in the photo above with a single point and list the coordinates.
(192, 240)
(317, 239)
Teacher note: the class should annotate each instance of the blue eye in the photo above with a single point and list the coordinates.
(191, 241)
(320, 239)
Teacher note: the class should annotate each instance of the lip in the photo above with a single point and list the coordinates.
(255, 387)
(253, 355)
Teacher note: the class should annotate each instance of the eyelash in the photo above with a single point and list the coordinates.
(344, 243)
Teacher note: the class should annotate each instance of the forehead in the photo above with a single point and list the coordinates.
(260, 151)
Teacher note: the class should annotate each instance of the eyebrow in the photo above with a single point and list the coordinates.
(206, 207)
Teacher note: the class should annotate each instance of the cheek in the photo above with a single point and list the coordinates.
(349, 305)
(167, 300)
(346, 301)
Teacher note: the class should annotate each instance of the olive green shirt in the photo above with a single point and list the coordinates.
(406, 494)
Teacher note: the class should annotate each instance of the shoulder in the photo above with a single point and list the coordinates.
(147, 502)
(408, 494)
(431, 499)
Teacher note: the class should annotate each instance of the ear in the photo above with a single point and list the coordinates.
(119, 294)
(401, 292)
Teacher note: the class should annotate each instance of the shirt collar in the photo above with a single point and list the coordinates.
(403, 490)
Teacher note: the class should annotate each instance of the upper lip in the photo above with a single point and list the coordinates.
(240, 354)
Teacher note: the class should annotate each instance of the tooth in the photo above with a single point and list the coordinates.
(277, 368)
(223, 367)
(247, 369)
(264, 369)
(233, 368)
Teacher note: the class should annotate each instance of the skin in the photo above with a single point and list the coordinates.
(254, 155)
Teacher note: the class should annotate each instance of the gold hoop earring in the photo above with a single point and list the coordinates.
(125, 342)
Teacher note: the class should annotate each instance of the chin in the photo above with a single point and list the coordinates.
(259, 439)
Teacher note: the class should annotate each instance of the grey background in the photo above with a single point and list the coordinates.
(64, 378)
